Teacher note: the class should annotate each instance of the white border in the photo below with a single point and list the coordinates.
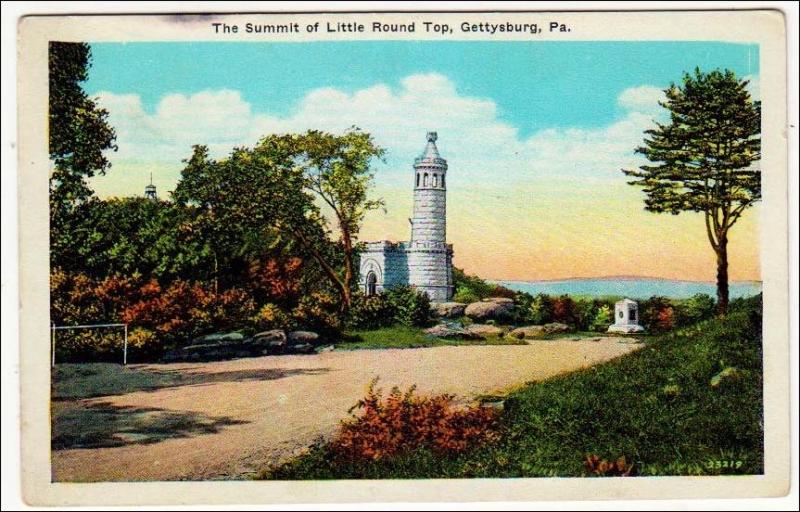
(9, 355)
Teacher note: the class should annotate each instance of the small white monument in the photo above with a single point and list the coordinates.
(626, 317)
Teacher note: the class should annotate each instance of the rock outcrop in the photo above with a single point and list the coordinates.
(451, 332)
(538, 331)
(215, 347)
(449, 309)
(485, 330)
(490, 309)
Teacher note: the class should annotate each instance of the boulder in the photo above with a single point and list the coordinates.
(220, 337)
(485, 331)
(302, 337)
(268, 342)
(556, 328)
(489, 310)
(528, 332)
(499, 300)
(273, 338)
(449, 309)
(208, 351)
(451, 332)
(302, 348)
(537, 331)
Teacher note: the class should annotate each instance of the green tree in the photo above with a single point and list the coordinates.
(238, 204)
(705, 159)
(337, 171)
(78, 130)
(78, 136)
(273, 195)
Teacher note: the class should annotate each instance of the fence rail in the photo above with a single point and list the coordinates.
(55, 328)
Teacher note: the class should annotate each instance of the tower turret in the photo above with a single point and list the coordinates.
(150, 190)
(429, 255)
(429, 224)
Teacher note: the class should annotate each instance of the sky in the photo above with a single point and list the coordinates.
(535, 134)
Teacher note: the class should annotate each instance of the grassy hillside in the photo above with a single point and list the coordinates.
(688, 403)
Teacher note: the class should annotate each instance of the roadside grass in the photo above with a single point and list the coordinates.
(408, 337)
(656, 407)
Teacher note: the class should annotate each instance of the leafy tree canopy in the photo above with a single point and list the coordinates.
(706, 158)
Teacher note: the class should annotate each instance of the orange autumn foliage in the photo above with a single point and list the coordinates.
(403, 421)
(601, 467)
(279, 280)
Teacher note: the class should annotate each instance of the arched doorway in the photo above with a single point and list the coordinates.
(372, 284)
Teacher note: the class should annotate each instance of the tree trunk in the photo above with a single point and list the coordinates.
(722, 275)
(348, 271)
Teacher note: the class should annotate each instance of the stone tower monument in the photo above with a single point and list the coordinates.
(429, 257)
(426, 260)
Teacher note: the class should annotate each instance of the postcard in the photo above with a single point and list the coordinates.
(403, 256)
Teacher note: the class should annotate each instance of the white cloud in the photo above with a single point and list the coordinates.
(476, 142)
(754, 86)
(644, 98)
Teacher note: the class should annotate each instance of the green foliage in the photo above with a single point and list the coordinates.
(134, 235)
(409, 306)
(465, 295)
(78, 130)
(318, 312)
(705, 158)
(402, 305)
(694, 309)
(603, 318)
(78, 136)
(657, 314)
(541, 310)
(473, 288)
(267, 196)
(373, 312)
(656, 407)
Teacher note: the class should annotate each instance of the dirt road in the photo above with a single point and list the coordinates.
(230, 418)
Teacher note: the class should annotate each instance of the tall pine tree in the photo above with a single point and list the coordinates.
(706, 159)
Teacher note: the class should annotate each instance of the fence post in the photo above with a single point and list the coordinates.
(53, 346)
(125, 347)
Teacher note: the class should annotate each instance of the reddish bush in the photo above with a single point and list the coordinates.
(564, 310)
(665, 319)
(276, 281)
(172, 311)
(601, 467)
(402, 422)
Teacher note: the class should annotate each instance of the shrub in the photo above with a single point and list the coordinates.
(465, 295)
(371, 312)
(473, 288)
(695, 309)
(144, 344)
(603, 318)
(177, 313)
(541, 310)
(275, 281)
(404, 422)
(270, 316)
(319, 312)
(657, 314)
(564, 310)
(233, 309)
(409, 306)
